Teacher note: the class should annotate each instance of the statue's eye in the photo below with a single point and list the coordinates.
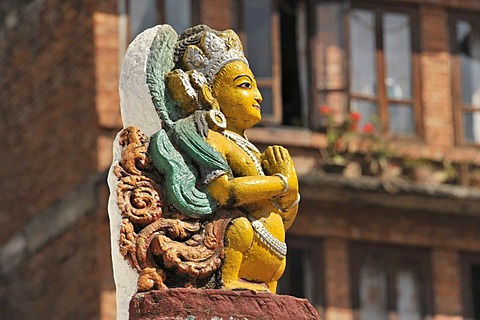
(245, 84)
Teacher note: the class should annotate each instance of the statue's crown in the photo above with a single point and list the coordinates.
(212, 52)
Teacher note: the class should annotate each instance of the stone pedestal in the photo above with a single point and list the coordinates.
(183, 303)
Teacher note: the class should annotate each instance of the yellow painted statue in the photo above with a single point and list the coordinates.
(217, 209)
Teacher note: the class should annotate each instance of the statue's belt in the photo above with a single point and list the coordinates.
(278, 247)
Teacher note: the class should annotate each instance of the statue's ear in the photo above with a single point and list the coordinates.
(181, 91)
(206, 97)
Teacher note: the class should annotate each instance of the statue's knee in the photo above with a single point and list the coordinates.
(239, 235)
(278, 274)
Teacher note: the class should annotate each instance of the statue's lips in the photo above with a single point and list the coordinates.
(256, 106)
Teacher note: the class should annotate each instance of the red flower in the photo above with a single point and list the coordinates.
(355, 116)
(368, 128)
(324, 110)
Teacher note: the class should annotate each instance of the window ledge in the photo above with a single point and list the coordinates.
(373, 191)
(287, 136)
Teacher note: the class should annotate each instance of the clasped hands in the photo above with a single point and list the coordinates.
(277, 160)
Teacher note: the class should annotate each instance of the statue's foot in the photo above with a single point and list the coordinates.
(245, 285)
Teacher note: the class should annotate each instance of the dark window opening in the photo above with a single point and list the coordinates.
(293, 282)
(303, 276)
(292, 113)
(476, 290)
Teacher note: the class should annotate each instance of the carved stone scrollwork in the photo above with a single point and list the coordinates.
(167, 248)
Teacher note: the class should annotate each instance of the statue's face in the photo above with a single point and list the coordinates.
(236, 91)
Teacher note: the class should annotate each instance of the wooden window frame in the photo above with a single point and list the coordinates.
(459, 107)
(274, 82)
(393, 256)
(382, 98)
(466, 262)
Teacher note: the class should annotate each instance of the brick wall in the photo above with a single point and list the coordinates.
(338, 301)
(107, 54)
(217, 14)
(109, 41)
(48, 120)
(446, 283)
(59, 282)
(359, 222)
(48, 123)
(436, 79)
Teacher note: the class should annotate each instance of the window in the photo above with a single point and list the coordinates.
(471, 285)
(465, 36)
(390, 282)
(381, 78)
(257, 23)
(143, 14)
(304, 272)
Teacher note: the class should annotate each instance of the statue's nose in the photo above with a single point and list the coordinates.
(258, 96)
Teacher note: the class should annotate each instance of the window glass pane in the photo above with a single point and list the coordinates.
(401, 118)
(362, 43)
(468, 45)
(257, 24)
(373, 291)
(471, 125)
(408, 295)
(142, 15)
(398, 52)
(178, 14)
(367, 109)
(329, 53)
(267, 101)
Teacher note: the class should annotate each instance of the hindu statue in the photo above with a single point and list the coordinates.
(200, 205)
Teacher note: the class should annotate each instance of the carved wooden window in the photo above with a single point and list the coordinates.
(365, 61)
(470, 264)
(303, 276)
(143, 14)
(257, 23)
(465, 47)
(390, 282)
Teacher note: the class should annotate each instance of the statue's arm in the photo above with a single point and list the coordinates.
(289, 216)
(230, 191)
(241, 191)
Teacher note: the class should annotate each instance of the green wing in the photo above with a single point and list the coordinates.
(179, 151)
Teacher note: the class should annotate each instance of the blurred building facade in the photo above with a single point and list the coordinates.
(363, 246)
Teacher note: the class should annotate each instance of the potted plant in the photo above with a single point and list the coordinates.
(378, 155)
(340, 135)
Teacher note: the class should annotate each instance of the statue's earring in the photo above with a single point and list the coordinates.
(215, 118)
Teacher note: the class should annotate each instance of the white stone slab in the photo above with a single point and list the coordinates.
(137, 110)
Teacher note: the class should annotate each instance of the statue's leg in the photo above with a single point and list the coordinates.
(238, 239)
(272, 286)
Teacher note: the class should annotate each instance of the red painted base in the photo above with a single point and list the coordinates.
(183, 303)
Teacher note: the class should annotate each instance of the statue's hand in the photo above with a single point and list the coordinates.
(276, 159)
